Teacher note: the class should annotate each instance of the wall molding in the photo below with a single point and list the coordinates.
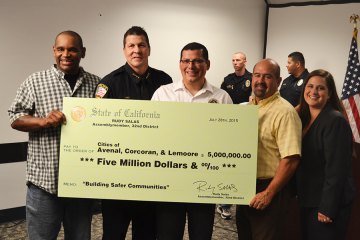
(13, 152)
(12, 214)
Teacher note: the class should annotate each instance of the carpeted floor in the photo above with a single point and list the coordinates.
(223, 229)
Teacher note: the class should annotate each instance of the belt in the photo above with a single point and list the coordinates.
(263, 181)
(261, 184)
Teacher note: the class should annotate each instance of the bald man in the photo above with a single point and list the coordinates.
(238, 83)
(37, 109)
(279, 148)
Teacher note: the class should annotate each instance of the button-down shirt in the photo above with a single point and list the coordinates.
(176, 92)
(292, 86)
(37, 96)
(279, 134)
(238, 87)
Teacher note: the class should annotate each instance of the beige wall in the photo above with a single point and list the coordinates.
(28, 29)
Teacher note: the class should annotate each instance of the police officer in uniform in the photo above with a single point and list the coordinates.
(134, 80)
(238, 84)
(292, 86)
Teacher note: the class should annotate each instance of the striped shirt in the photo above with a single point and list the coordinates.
(37, 96)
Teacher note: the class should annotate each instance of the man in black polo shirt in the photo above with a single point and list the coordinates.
(292, 86)
(134, 80)
(238, 83)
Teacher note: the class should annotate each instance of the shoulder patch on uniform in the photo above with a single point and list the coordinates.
(101, 90)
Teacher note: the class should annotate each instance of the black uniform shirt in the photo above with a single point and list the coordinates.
(238, 87)
(124, 83)
(292, 86)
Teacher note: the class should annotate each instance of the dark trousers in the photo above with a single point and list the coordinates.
(171, 219)
(117, 215)
(264, 224)
(312, 229)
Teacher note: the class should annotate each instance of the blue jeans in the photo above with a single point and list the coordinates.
(45, 212)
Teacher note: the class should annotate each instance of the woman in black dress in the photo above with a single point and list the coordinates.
(325, 183)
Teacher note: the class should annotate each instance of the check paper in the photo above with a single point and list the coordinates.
(158, 151)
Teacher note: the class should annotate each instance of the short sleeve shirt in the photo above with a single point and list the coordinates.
(279, 134)
(124, 83)
(238, 87)
(176, 92)
(37, 96)
(292, 86)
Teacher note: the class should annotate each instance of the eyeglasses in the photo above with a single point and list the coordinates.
(196, 62)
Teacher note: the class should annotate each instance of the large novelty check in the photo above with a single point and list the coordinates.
(158, 151)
